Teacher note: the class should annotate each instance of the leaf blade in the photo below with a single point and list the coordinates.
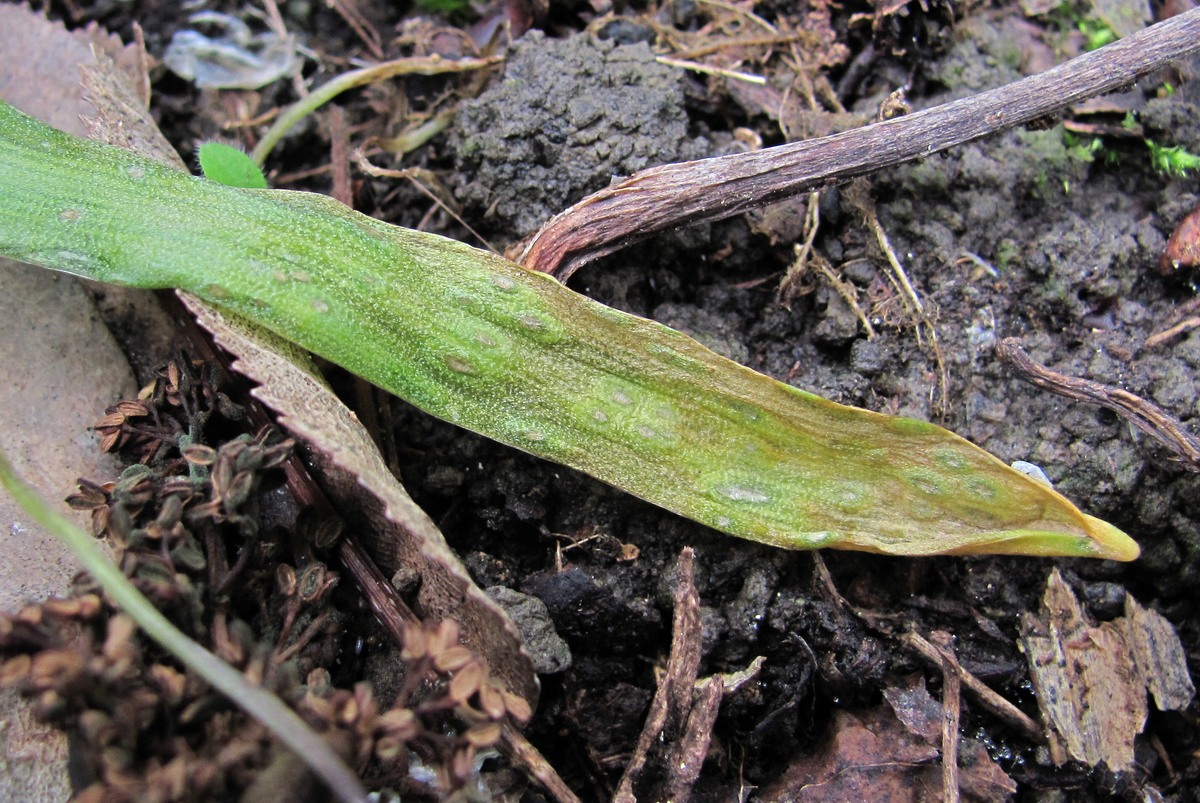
(479, 341)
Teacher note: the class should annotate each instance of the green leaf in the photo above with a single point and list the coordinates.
(227, 165)
(479, 341)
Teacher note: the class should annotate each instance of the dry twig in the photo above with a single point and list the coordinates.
(675, 195)
(988, 698)
(1145, 415)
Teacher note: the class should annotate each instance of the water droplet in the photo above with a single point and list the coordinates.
(1032, 471)
(319, 305)
(739, 493)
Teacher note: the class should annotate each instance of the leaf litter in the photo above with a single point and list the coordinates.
(922, 735)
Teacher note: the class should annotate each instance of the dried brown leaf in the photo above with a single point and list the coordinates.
(875, 755)
(1091, 681)
(1160, 655)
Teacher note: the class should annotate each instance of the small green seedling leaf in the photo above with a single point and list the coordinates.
(445, 6)
(480, 341)
(1172, 161)
(227, 165)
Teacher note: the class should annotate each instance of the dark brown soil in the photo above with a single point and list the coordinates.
(1070, 239)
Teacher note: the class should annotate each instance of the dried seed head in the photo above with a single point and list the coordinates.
(483, 735)
(118, 525)
(183, 487)
(188, 555)
(49, 705)
(462, 765)
(15, 670)
(389, 748)
(170, 682)
(491, 700)
(97, 727)
(199, 455)
(174, 376)
(90, 495)
(239, 489)
(30, 615)
(517, 707)
(416, 644)
(90, 606)
(110, 438)
(222, 475)
(170, 512)
(314, 582)
(285, 579)
(133, 478)
(367, 707)
(328, 532)
(228, 408)
(60, 608)
(131, 408)
(452, 659)
(347, 710)
(318, 680)
(444, 636)
(399, 723)
(466, 682)
(320, 708)
(120, 649)
(55, 669)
